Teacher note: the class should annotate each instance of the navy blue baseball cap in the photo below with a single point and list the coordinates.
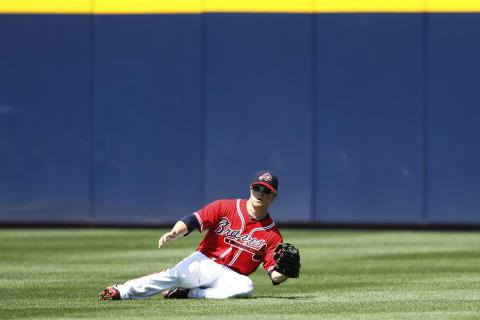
(266, 178)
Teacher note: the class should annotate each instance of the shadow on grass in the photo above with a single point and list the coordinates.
(283, 298)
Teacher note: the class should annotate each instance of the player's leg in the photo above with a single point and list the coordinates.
(229, 284)
(184, 275)
(147, 286)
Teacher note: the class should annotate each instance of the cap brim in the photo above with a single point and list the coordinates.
(264, 184)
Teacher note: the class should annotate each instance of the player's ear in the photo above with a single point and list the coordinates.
(274, 196)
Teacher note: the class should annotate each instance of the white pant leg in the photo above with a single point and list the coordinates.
(186, 274)
(229, 284)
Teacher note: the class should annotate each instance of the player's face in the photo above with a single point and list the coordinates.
(261, 196)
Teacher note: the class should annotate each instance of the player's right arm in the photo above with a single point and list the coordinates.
(178, 230)
(201, 219)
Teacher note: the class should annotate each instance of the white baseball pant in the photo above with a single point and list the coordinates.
(205, 279)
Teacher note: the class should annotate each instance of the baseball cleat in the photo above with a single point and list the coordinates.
(109, 293)
(176, 293)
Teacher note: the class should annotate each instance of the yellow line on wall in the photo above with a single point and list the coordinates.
(326, 6)
(46, 6)
(199, 6)
(293, 6)
(147, 6)
(453, 5)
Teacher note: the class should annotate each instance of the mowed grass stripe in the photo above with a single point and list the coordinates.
(57, 274)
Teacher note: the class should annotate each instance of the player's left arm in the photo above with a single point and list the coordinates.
(269, 261)
(287, 259)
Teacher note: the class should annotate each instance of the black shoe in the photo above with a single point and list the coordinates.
(176, 293)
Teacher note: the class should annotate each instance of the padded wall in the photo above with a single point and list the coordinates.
(147, 117)
(44, 117)
(258, 107)
(369, 106)
(454, 131)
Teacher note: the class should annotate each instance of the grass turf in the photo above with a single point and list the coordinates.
(345, 275)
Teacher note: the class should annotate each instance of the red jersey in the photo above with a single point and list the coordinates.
(235, 239)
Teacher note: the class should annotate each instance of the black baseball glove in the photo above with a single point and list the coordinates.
(288, 260)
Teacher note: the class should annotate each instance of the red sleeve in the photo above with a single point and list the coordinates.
(268, 261)
(208, 215)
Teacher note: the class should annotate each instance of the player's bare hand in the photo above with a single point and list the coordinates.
(167, 237)
(277, 277)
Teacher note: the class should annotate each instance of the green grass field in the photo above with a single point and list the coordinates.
(345, 275)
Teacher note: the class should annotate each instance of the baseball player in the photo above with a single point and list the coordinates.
(241, 236)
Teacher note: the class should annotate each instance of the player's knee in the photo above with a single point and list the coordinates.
(246, 288)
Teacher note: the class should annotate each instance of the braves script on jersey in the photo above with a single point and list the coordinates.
(235, 239)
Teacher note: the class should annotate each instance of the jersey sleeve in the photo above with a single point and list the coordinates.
(268, 261)
(191, 222)
(208, 215)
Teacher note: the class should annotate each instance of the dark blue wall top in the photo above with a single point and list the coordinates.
(145, 118)
(44, 117)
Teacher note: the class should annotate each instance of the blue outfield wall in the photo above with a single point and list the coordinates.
(454, 113)
(148, 100)
(258, 107)
(369, 118)
(145, 118)
(45, 117)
